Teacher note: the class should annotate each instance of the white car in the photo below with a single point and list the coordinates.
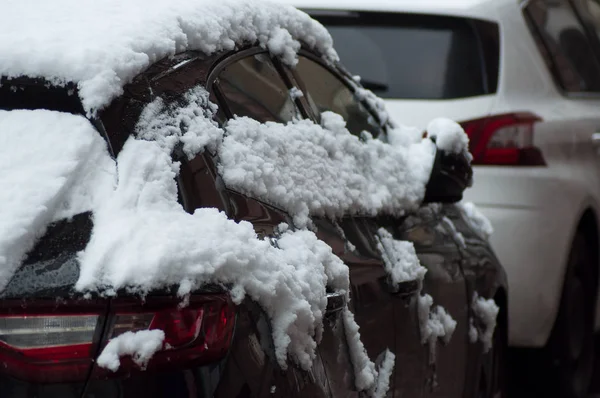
(523, 78)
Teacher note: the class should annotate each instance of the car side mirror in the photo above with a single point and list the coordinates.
(450, 176)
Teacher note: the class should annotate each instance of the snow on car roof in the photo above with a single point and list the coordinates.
(102, 44)
(469, 8)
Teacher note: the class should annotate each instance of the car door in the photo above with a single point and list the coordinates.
(436, 243)
(388, 318)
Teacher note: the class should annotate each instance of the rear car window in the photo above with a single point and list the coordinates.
(416, 56)
(565, 45)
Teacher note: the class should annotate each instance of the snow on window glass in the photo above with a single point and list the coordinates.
(323, 170)
(52, 166)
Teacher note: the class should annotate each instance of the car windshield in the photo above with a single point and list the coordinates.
(412, 56)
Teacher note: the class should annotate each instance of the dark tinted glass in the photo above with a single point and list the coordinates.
(324, 91)
(564, 43)
(29, 93)
(413, 56)
(253, 87)
(590, 11)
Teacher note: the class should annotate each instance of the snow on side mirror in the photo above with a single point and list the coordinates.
(451, 173)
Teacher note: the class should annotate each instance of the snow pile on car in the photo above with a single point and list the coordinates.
(102, 45)
(140, 346)
(323, 170)
(142, 238)
(400, 258)
(52, 165)
(483, 327)
(449, 136)
(434, 324)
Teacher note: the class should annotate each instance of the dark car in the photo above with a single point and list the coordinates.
(231, 355)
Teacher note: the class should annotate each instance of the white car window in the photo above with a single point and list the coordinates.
(564, 41)
(417, 56)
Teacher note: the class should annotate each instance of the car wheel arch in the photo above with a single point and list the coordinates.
(588, 227)
(586, 223)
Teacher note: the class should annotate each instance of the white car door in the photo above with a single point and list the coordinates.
(567, 34)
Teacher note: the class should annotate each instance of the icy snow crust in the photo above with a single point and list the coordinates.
(103, 45)
(312, 170)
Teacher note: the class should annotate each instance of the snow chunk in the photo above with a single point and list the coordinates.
(385, 373)
(295, 92)
(476, 219)
(365, 374)
(434, 324)
(449, 136)
(144, 240)
(375, 103)
(52, 165)
(190, 123)
(404, 135)
(400, 258)
(103, 45)
(140, 345)
(315, 170)
(486, 310)
(458, 237)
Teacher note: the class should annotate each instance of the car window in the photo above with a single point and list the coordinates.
(253, 87)
(324, 91)
(416, 56)
(564, 43)
(591, 12)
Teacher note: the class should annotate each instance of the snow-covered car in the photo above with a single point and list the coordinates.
(522, 77)
(197, 200)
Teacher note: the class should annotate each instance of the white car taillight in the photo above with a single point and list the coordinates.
(37, 331)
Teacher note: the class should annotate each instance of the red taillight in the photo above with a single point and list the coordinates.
(46, 342)
(505, 140)
(181, 327)
(197, 334)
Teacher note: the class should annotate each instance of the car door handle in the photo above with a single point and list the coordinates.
(335, 302)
